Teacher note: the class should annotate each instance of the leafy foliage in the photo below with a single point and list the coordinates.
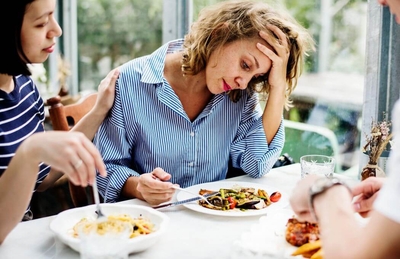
(117, 30)
(114, 32)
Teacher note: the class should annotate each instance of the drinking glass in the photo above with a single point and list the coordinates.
(317, 164)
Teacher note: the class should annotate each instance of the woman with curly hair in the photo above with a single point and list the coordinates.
(186, 111)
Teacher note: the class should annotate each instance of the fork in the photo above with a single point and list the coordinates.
(100, 214)
(193, 193)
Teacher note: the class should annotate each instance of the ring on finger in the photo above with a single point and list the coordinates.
(78, 164)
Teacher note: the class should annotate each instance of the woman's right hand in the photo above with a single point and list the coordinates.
(69, 152)
(154, 188)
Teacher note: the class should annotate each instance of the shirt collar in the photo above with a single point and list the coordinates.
(153, 69)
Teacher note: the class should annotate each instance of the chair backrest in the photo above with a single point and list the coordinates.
(305, 139)
(64, 118)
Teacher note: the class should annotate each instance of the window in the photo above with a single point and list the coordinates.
(331, 91)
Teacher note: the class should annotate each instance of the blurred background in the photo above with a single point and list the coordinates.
(333, 103)
(100, 35)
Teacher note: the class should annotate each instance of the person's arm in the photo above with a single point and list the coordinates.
(62, 150)
(90, 123)
(343, 237)
(250, 150)
(341, 234)
(272, 116)
(16, 187)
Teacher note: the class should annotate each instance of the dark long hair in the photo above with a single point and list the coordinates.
(13, 60)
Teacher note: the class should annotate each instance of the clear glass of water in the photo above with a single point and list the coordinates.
(317, 164)
(111, 244)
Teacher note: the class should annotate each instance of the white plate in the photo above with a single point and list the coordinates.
(266, 239)
(283, 202)
(63, 223)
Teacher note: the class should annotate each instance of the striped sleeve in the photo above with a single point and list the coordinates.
(114, 147)
(250, 151)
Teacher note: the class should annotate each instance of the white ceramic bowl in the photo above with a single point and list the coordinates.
(63, 223)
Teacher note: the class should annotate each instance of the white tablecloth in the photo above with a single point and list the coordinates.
(191, 234)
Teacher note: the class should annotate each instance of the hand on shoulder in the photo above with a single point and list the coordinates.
(106, 92)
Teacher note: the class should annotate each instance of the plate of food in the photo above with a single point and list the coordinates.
(281, 235)
(235, 199)
(278, 235)
(148, 225)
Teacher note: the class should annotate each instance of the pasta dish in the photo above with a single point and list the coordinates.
(115, 224)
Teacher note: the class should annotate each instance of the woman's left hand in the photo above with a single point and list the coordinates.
(106, 92)
(279, 58)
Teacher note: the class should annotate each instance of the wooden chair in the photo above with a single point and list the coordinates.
(64, 118)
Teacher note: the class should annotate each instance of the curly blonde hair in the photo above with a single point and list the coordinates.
(229, 21)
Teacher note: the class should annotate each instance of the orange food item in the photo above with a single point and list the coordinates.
(275, 197)
(299, 233)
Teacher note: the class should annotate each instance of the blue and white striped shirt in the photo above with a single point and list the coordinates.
(21, 115)
(148, 128)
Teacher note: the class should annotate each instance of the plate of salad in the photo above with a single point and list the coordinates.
(236, 199)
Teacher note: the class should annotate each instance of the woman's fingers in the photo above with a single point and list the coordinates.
(110, 79)
(153, 189)
(77, 173)
(84, 159)
(364, 204)
(97, 160)
(280, 35)
(279, 43)
(161, 174)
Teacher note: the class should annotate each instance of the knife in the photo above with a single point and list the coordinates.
(170, 204)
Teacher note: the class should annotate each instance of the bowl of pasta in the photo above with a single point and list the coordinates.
(148, 225)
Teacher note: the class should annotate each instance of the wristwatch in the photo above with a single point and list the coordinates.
(320, 186)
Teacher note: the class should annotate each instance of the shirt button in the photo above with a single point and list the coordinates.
(192, 134)
(191, 164)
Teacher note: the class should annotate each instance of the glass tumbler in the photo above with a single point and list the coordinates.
(317, 164)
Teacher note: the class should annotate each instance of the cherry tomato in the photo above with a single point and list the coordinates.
(232, 203)
(276, 196)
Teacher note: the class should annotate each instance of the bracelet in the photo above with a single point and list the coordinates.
(320, 186)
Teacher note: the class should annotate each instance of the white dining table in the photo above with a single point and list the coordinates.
(190, 234)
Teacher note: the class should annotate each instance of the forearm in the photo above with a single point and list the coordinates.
(253, 154)
(343, 237)
(90, 123)
(340, 231)
(272, 115)
(16, 187)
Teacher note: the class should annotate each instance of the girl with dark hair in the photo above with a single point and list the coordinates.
(29, 33)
